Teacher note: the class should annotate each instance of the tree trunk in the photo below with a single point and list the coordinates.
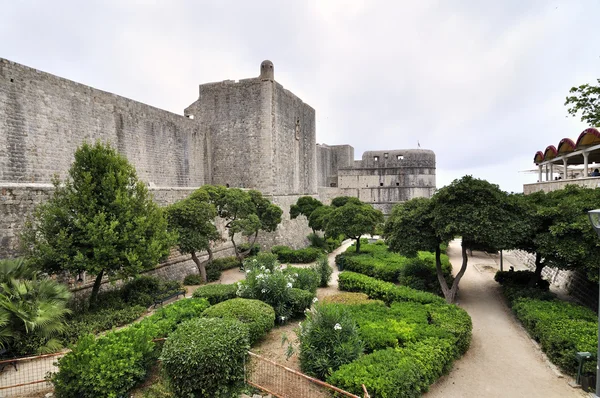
(96, 288)
(358, 245)
(440, 274)
(201, 267)
(450, 296)
(235, 249)
(244, 254)
(539, 266)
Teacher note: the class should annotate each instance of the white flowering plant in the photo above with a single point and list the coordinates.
(328, 339)
(274, 287)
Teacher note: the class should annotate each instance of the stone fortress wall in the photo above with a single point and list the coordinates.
(248, 134)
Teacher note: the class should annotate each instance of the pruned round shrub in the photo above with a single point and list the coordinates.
(286, 254)
(216, 293)
(258, 316)
(205, 357)
(328, 339)
(192, 279)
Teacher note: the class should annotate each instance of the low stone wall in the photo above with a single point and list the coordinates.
(573, 282)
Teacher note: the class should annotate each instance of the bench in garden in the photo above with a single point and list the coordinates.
(169, 297)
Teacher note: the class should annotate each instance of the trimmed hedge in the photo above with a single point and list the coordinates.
(216, 293)
(144, 289)
(205, 358)
(258, 316)
(385, 291)
(286, 254)
(347, 298)
(110, 365)
(192, 279)
(520, 278)
(300, 300)
(562, 329)
(377, 261)
(411, 345)
(401, 372)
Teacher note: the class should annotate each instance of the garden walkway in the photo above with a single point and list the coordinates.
(502, 361)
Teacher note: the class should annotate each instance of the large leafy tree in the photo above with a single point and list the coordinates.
(32, 308)
(473, 209)
(305, 206)
(585, 99)
(353, 219)
(193, 219)
(244, 212)
(101, 219)
(481, 214)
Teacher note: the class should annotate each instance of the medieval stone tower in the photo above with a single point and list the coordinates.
(262, 136)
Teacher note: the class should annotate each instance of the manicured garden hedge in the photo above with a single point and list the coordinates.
(216, 293)
(561, 328)
(385, 291)
(377, 261)
(258, 316)
(409, 346)
(305, 278)
(110, 365)
(298, 256)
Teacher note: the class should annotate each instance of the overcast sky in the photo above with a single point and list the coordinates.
(482, 83)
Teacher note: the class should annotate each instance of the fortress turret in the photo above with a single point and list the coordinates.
(267, 71)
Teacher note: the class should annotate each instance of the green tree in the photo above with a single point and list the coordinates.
(193, 220)
(32, 308)
(318, 218)
(305, 206)
(481, 214)
(244, 212)
(569, 241)
(473, 209)
(353, 219)
(585, 99)
(101, 220)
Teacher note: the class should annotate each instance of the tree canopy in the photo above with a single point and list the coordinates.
(305, 205)
(585, 99)
(352, 219)
(193, 219)
(101, 219)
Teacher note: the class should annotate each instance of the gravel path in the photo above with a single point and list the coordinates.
(502, 361)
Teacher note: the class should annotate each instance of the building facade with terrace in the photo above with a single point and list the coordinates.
(571, 162)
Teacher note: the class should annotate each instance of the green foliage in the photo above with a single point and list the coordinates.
(144, 290)
(216, 293)
(402, 372)
(305, 205)
(101, 219)
(328, 339)
(324, 270)
(409, 228)
(300, 300)
(258, 316)
(99, 320)
(192, 279)
(105, 367)
(562, 329)
(267, 260)
(274, 288)
(347, 298)
(252, 250)
(353, 219)
(110, 365)
(520, 278)
(193, 219)
(585, 99)
(298, 256)
(33, 309)
(318, 218)
(384, 291)
(305, 278)
(377, 261)
(205, 357)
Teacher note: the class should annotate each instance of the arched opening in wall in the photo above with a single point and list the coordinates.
(385, 155)
(397, 184)
(333, 185)
(190, 116)
(381, 184)
(399, 157)
(376, 158)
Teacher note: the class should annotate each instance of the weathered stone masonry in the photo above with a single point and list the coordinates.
(249, 134)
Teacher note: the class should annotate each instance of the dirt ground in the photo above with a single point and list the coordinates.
(502, 361)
